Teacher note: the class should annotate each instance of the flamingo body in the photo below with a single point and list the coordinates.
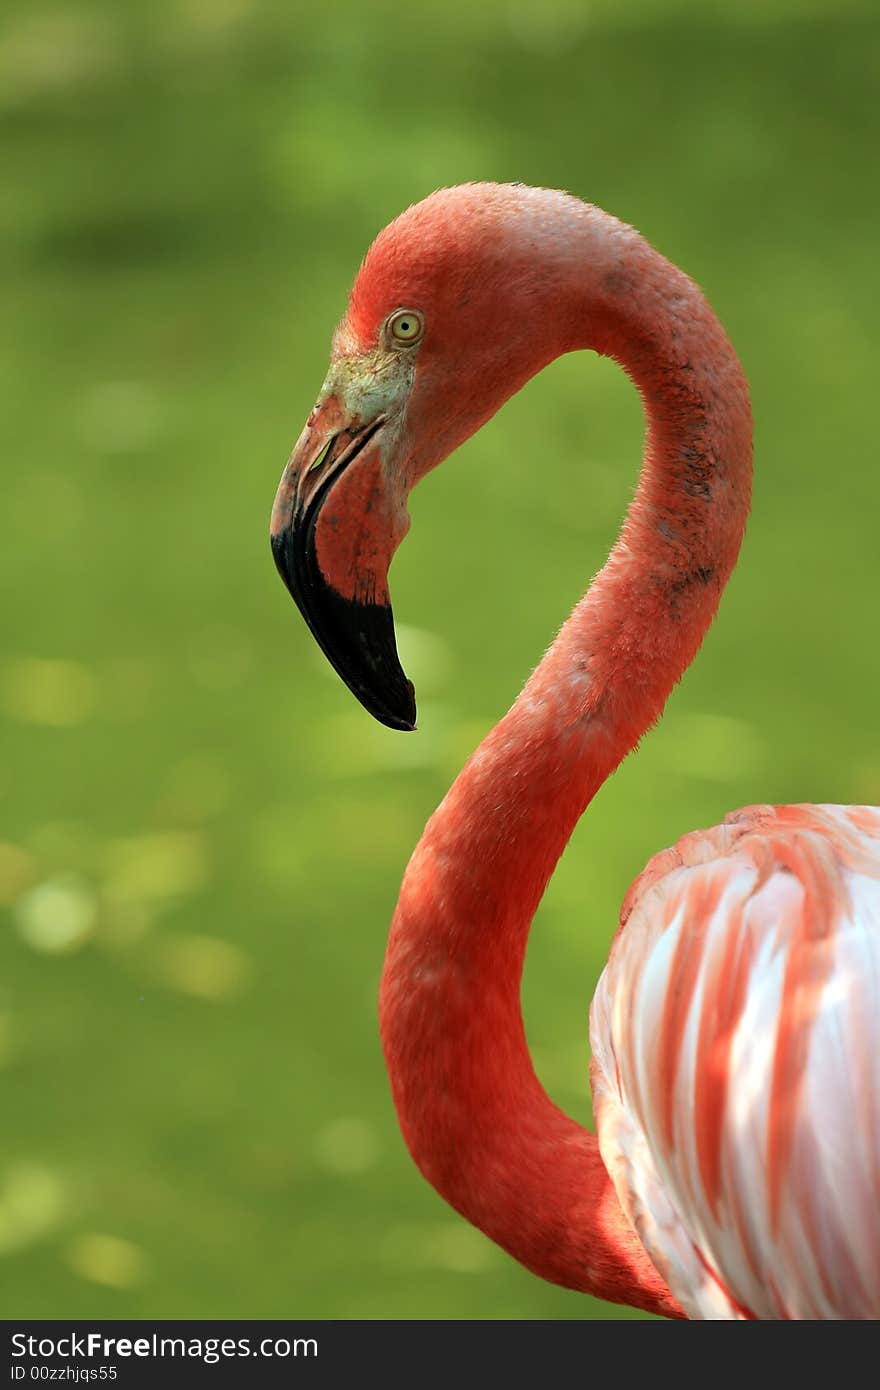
(735, 1033)
(736, 1030)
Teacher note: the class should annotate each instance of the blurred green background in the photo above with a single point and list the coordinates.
(202, 833)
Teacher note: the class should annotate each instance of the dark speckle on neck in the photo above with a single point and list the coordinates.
(618, 282)
(695, 578)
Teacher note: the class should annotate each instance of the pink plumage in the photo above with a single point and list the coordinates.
(736, 1029)
(735, 1033)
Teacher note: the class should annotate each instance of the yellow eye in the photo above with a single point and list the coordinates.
(406, 326)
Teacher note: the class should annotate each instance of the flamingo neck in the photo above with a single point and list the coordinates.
(475, 1117)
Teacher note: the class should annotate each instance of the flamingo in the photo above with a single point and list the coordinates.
(735, 1031)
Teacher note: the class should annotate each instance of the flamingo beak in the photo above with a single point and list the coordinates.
(332, 538)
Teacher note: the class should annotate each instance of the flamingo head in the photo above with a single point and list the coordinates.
(449, 315)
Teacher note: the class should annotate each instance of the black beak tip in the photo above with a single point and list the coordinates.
(357, 638)
(399, 714)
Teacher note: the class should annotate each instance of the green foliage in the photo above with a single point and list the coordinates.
(202, 835)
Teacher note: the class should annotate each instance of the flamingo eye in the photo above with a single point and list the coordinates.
(406, 326)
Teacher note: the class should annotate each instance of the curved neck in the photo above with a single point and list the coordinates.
(474, 1115)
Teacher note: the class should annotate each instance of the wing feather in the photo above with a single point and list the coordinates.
(736, 1064)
